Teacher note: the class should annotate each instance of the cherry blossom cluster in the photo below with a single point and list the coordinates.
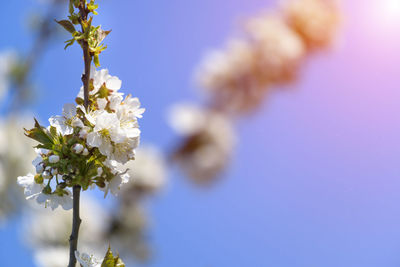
(85, 146)
(269, 54)
(124, 226)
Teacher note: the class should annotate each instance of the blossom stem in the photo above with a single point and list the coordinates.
(86, 54)
(76, 220)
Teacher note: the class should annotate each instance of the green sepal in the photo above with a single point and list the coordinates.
(69, 43)
(71, 7)
(96, 60)
(111, 261)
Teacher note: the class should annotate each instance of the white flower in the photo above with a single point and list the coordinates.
(65, 124)
(39, 168)
(53, 201)
(87, 260)
(54, 171)
(99, 171)
(106, 130)
(77, 148)
(100, 78)
(125, 151)
(84, 132)
(31, 188)
(46, 175)
(85, 152)
(131, 105)
(101, 103)
(114, 186)
(54, 158)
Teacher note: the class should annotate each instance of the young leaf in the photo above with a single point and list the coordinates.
(67, 25)
(38, 134)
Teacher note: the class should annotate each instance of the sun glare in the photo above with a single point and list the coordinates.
(390, 11)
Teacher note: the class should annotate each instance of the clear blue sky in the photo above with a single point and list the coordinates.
(315, 181)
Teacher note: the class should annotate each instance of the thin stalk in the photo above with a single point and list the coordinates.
(76, 221)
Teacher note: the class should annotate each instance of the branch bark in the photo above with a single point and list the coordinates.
(76, 220)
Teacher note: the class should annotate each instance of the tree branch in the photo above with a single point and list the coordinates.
(76, 221)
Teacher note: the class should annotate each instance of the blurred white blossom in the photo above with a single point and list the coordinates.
(148, 171)
(16, 153)
(208, 141)
(127, 231)
(279, 49)
(8, 61)
(51, 257)
(46, 230)
(227, 75)
(269, 53)
(316, 21)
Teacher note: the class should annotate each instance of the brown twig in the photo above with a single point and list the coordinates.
(76, 221)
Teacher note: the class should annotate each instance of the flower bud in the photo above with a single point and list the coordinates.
(46, 175)
(54, 159)
(70, 169)
(68, 180)
(99, 171)
(38, 179)
(100, 184)
(77, 148)
(47, 190)
(85, 152)
(62, 185)
(83, 133)
(39, 168)
(79, 101)
(54, 171)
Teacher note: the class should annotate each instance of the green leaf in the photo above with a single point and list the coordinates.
(67, 25)
(53, 132)
(111, 261)
(38, 134)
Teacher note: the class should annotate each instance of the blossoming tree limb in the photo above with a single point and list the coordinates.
(92, 142)
(82, 19)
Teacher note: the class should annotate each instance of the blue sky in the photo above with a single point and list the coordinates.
(315, 177)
